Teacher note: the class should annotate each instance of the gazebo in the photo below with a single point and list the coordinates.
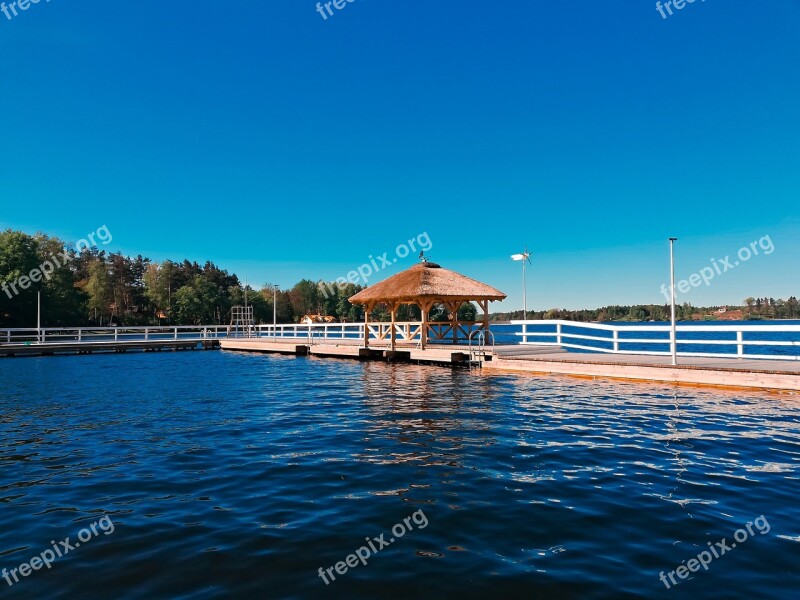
(425, 285)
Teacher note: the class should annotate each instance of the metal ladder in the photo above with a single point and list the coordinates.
(477, 354)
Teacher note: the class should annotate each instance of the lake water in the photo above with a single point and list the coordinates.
(230, 475)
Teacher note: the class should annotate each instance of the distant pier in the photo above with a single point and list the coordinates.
(91, 340)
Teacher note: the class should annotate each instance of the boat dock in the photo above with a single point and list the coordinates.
(444, 355)
(733, 373)
(729, 373)
(92, 347)
(53, 341)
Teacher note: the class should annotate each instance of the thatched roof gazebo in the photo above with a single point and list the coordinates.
(425, 285)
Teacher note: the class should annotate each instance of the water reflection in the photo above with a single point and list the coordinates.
(425, 414)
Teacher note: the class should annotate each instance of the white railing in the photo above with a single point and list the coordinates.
(405, 331)
(315, 333)
(623, 339)
(742, 340)
(62, 335)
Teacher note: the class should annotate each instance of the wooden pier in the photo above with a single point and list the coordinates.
(731, 373)
(728, 373)
(445, 355)
(92, 347)
(735, 371)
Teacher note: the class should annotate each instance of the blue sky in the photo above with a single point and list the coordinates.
(281, 145)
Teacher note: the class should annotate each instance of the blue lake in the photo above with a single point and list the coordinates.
(230, 475)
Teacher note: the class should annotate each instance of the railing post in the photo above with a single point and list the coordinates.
(616, 340)
(115, 333)
(739, 344)
(80, 332)
(146, 334)
(558, 333)
(524, 332)
(176, 333)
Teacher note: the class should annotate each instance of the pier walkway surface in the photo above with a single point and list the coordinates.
(733, 373)
(718, 372)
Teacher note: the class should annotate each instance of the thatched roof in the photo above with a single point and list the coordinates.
(427, 281)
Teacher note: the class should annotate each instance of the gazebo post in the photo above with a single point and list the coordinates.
(484, 304)
(454, 306)
(393, 310)
(424, 306)
(367, 308)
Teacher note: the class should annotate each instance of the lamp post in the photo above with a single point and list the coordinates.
(673, 329)
(274, 312)
(525, 258)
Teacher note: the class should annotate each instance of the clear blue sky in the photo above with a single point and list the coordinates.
(281, 145)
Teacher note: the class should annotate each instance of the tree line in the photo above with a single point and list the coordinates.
(96, 288)
(753, 309)
(93, 287)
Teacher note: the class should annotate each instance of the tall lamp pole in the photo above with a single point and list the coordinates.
(525, 257)
(673, 329)
(274, 311)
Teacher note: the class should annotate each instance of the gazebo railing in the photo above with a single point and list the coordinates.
(379, 331)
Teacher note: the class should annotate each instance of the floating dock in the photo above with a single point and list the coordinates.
(444, 355)
(91, 347)
(729, 373)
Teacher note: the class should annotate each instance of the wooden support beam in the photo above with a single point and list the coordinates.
(453, 308)
(484, 304)
(367, 309)
(393, 310)
(424, 306)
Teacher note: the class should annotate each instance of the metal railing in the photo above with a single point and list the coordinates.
(783, 341)
(62, 335)
(313, 333)
(742, 340)
(379, 331)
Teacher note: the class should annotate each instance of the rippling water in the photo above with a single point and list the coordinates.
(234, 475)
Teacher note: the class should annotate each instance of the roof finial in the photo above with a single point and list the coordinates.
(422, 256)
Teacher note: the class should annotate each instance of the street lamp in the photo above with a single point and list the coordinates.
(673, 329)
(524, 258)
(274, 311)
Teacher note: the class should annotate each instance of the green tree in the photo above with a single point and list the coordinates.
(100, 291)
(196, 303)
(18, 258)
(62, 301)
